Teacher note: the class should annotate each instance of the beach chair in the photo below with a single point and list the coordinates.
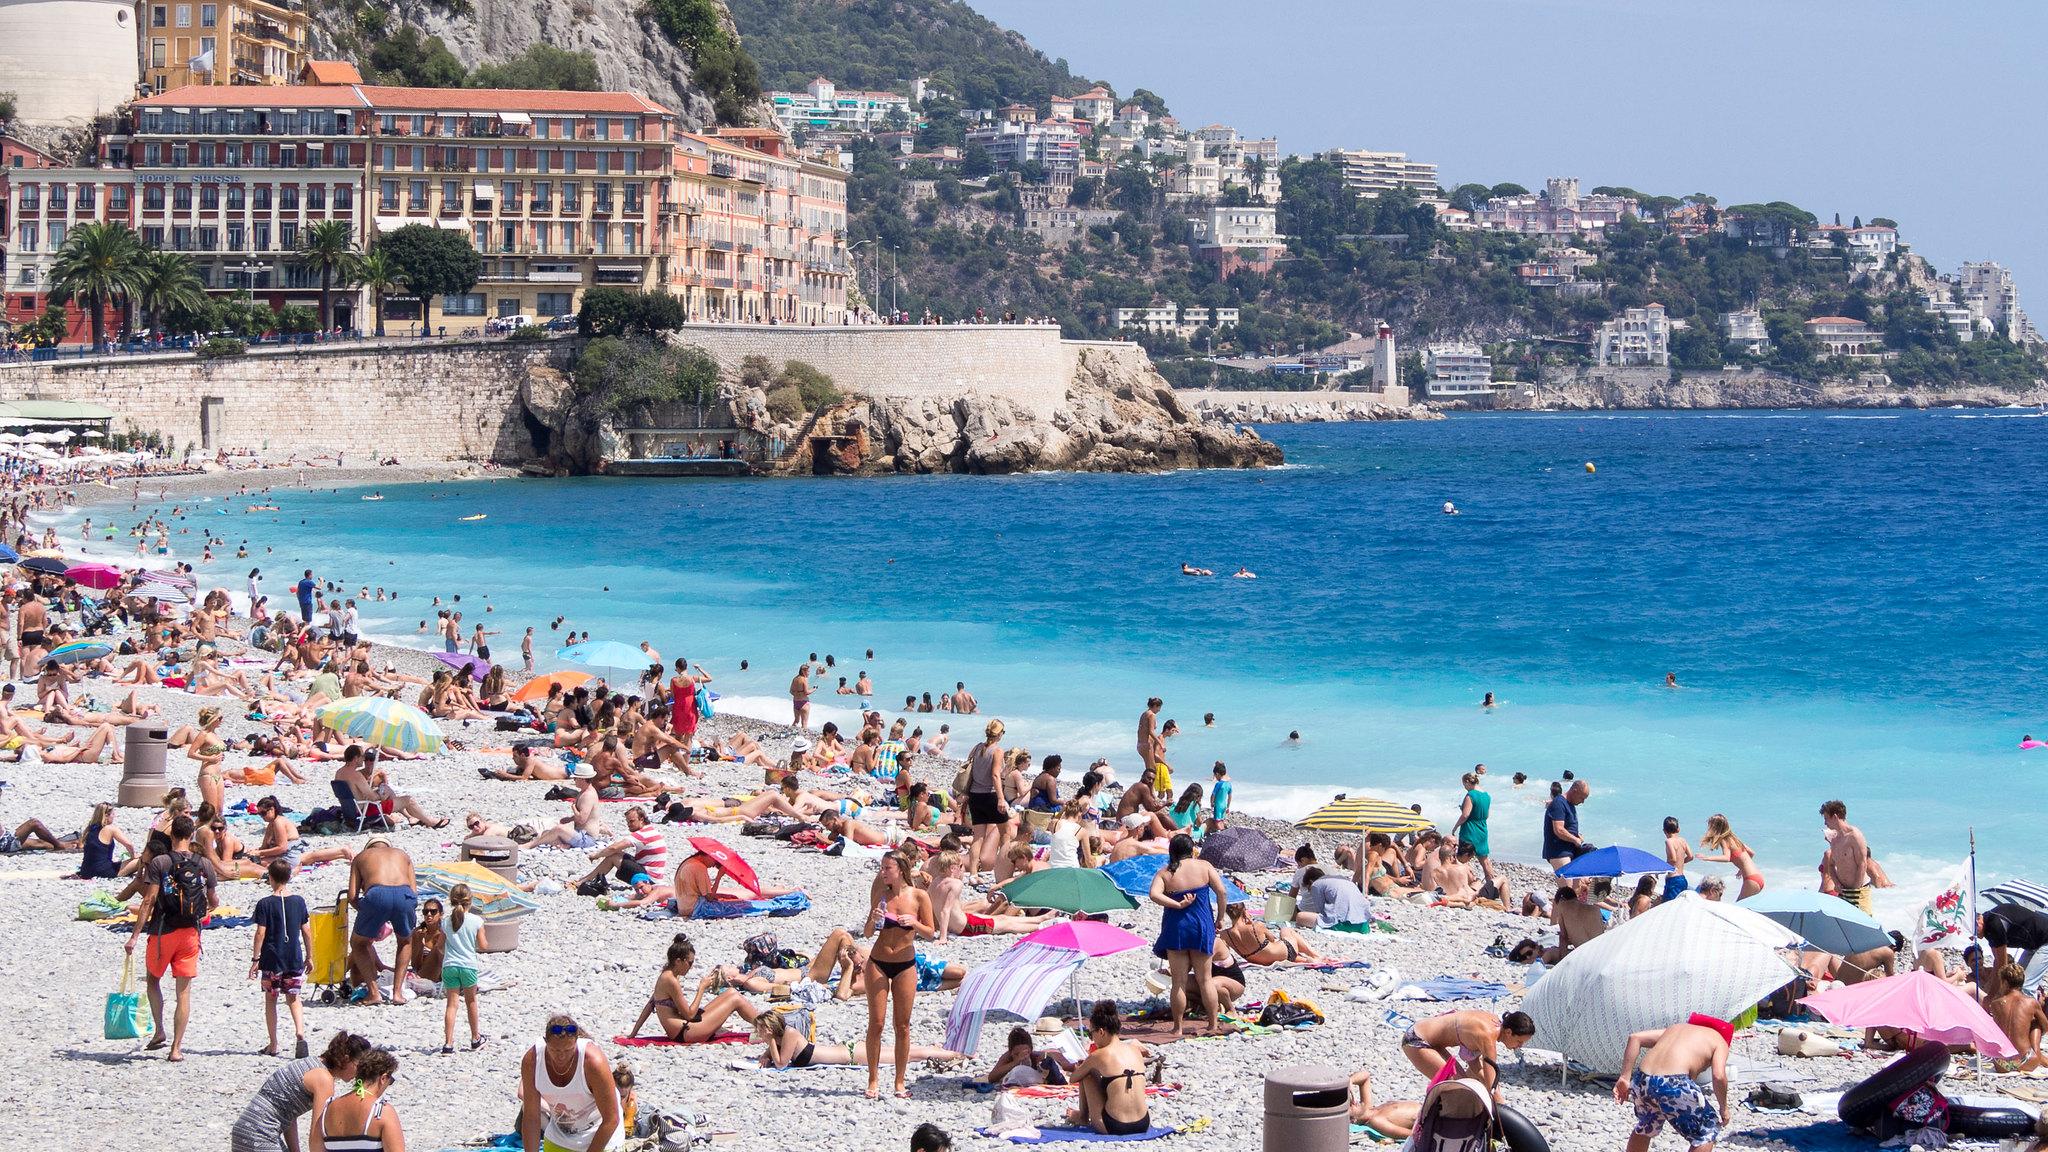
(359, 815)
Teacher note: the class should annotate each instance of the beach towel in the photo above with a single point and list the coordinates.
(728, 908)
(1069, 1091)
(1450, 988)
(1322, 965)
(664, 1042)
(1079, 1135)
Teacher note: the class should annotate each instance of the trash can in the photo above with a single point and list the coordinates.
(1307, 1109)
(143, 782)
(498, 853)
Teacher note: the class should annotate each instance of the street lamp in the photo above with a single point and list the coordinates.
(874, 301)
(894, 279)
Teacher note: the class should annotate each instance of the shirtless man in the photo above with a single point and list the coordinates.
(1577, 922)
(1850, 863)
(1151, 747)
(2020, 1017)
(1452, 879)
(1112, 1078)
(1471, 1040)
(526, 765)
(381, 887)
(35, 623)
(1665, 1088)
(1677, 853)
(963, 700)
(1139, 800)
(838, 824)
(1395, 1119)
(950, 913)
(582, 828)
(698, 878)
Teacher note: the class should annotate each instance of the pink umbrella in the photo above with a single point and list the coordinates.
(1921, 1003)
(94, 575)
(1088, 937)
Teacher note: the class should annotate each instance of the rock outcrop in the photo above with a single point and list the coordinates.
(1601, 388)
(1301, 407)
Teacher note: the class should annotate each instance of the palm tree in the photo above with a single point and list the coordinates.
(167, 282)
(97, 266)
(329, 247)
(378, 272)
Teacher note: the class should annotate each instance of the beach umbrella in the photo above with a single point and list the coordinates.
(80, 652)
(95, 575)
(1828, 923)
(49, 565)
(1017, 983)
(1133, 877)
(2025, 893)
(8, 555)
(157, 590)
(1685, 955)
(498, 900)
(1615, 860)
(605, 654)
(537, 688)
(1088, 937)
(1067, 890)
(1921, 1003)
(1364, 814)
(383, 723)
(1241, 849)
(720, 854)
(474, 666)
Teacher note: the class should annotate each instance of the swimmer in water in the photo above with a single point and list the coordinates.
(1294, 737)
(1488, 702)
(1671, 679)
(1187, 569)
(1244, 573)
(1450, 509)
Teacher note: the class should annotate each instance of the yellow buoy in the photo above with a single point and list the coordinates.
(1589, 465)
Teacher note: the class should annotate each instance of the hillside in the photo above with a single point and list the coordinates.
(883, 44)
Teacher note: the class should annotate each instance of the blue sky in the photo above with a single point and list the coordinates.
(1930, 113)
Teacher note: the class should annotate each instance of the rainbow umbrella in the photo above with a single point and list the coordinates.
(383, 723)
(1364, 814)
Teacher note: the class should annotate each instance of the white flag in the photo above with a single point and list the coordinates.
(1945, 920)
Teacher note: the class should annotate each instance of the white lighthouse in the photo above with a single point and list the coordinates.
(1386, 372)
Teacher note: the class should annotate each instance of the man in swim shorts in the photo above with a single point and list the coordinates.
(381, 885)
(1663, 1089)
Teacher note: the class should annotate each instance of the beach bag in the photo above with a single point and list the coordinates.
(183, 887)
(962, 778)
(1284, 1011)
(127, 1017)
(704, 711)
(1923, 1107)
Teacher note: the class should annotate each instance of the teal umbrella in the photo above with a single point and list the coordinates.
(1067, 890)
(605, 654)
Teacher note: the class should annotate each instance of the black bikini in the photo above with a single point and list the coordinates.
(803, 1058)
(893, 968)
(1114, 1126)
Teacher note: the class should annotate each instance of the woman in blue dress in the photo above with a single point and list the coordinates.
(1192, 893)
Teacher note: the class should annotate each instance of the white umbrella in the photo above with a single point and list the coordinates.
(95, 436)
(62, 435)
(10, 438)
(1688, 955)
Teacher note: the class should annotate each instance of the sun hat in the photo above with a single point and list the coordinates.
(1048, 1026)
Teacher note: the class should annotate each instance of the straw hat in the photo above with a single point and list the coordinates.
(1048, 1026)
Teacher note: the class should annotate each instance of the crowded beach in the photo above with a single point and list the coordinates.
(274, 886)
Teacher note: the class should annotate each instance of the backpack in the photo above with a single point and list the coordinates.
(182, 890)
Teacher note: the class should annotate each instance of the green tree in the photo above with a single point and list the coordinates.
(1152, 102)
(99, 265)
(620, 312)
(380, 273)
(718, 65)
(1507, 190)
(296, 320)
(167, 282)
(434, 261)
(414, 60)
(8, 106)
(49, 329)
(975, 162)
(329, 248)
(541, 66)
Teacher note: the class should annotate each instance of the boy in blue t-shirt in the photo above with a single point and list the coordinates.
(1219, 796)
(284, 938)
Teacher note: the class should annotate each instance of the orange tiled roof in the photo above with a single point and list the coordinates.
(382, 98)
(256, 96)
(332, 72)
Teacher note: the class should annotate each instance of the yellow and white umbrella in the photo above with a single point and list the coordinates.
(382, 723)
(1364, 814)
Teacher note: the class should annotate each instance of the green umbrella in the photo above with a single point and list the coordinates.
(1067, 890)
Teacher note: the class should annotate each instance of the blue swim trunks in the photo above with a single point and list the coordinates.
(1677, 1100)
(931, 972)
(386, 904)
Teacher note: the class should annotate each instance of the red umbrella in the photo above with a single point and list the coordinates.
(727, 860)
(94, 575)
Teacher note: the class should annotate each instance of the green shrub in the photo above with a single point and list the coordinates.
(222, 348)
(786, 404)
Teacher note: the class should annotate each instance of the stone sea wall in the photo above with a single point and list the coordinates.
(1306, 407)
(1602, 388)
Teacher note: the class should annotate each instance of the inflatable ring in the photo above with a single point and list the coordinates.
(1521, 1135)
(1988, 1123)
(1864, 1105)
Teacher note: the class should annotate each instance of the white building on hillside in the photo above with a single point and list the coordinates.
(1558, 210)
(1960, 320)
(1747, 332)
(1638, 336)
(1987, 289)
(824, 107)
(1843, 336)
(1371, 173)
(1457, 371)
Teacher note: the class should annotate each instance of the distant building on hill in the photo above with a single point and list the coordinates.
(1245, 236)
(1988, 290)
(1168, 318)
(1457, 371)
(1639, 336)
(1846, 337)
(1746, 331)
(1558, 210)
(228, 42)
(1369, 174)
(1097, 105)
(825, 107)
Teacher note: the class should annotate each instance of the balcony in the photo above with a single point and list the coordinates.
(601, 208)
(533, 277)
(454, 209)
(722, 169)
(255, 30)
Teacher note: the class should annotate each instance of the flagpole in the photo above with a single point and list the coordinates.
(1976, 969)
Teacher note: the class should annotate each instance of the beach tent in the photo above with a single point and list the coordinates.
(1017, 983)
(1684, 956)
(1241, 849)
(1364, 814)
(1918, 1001)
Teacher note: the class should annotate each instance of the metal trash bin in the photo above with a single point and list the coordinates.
(500, 854)
(1308, 1109)
(143, 782)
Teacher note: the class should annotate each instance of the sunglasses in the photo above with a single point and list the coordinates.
(562, 1029)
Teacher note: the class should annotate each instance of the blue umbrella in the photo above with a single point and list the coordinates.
(1133, 877)
(1615, 860)
(8, 555)
(1828, 923)
(605, 654)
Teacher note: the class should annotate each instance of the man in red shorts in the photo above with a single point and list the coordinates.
(177, 897)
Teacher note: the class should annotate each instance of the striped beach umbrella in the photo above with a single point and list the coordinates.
(382, 723)
(1364, 814)
(1017, 984)
(151, 589)
(2024, 893)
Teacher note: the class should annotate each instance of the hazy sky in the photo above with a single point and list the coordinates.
(1927, 112)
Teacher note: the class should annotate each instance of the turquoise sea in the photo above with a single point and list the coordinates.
(1851, 602)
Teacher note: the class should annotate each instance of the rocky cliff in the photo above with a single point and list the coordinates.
(1600, 388)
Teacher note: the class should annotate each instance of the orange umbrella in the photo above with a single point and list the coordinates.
(537, 688)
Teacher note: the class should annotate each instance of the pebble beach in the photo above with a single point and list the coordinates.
(61, 1082)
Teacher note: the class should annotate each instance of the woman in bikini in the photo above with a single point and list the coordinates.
(1249, 937)
(787, 1048)
(1731, 850)
(696, 1021)
(898, 915)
